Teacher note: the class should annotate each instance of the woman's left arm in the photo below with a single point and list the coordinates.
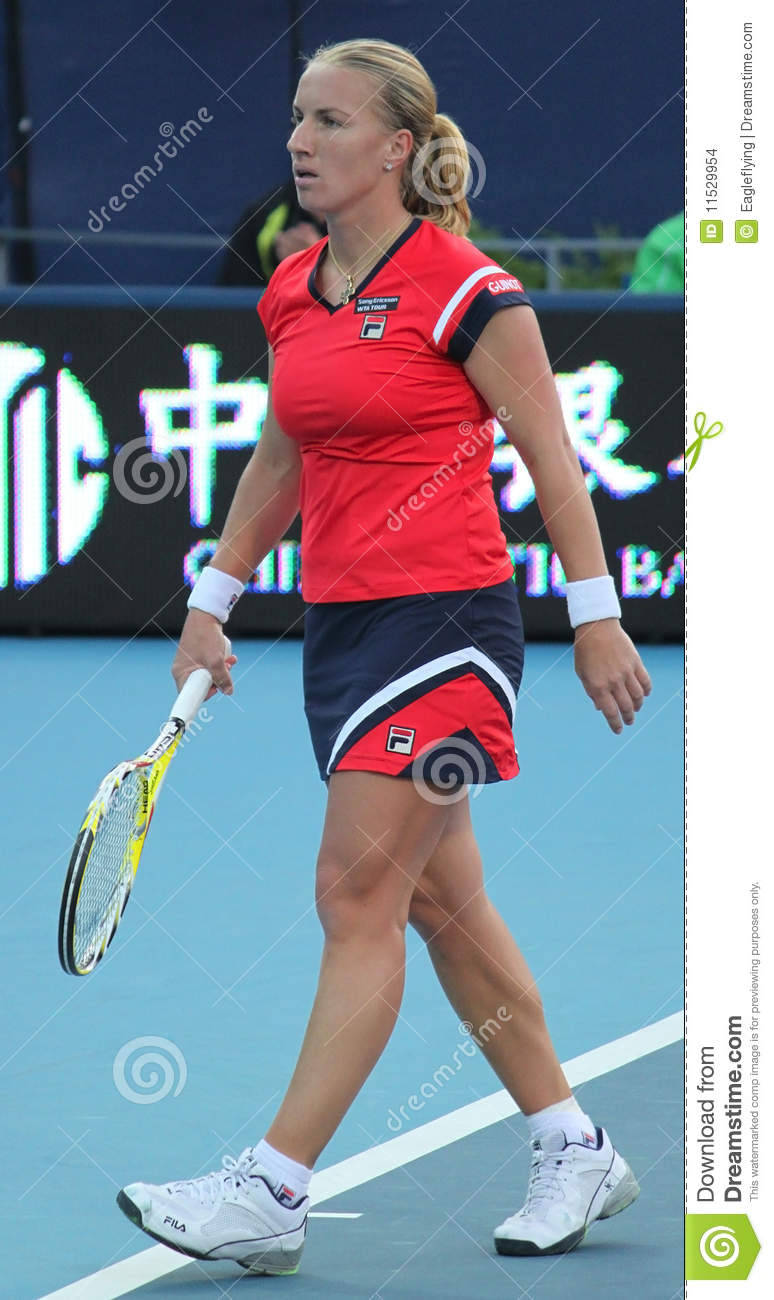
(510, 369)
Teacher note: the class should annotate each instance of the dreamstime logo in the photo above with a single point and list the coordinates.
(440, 175)
(153, 1073)
(449, 764)
(719, 1246)
(144, 478)
(719, 1252)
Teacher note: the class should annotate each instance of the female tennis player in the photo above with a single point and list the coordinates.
(390, 353)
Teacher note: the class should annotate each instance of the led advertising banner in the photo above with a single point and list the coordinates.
(123, 435)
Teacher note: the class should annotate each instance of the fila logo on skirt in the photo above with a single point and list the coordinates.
(400, 740)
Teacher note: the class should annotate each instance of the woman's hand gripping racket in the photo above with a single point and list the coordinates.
(107, 849)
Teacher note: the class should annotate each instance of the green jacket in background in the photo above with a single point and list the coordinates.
(659, 266)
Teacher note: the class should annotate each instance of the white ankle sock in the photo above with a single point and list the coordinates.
(566, 1115)
(289, 1175)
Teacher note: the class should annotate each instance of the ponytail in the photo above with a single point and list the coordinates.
(436, 178)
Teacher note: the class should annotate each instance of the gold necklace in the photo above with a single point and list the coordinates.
(349, 287)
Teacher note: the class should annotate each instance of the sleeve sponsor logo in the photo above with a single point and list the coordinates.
(505, 286)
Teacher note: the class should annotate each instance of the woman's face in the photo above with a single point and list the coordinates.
(338, 137)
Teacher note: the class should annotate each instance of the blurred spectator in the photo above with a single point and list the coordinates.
(268, 230)
(659, 266)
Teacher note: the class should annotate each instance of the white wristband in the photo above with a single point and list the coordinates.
(590, 599)
(215, 592)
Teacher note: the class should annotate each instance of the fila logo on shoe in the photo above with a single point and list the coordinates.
(173, 1223)
(589, 1140)
(400, 740)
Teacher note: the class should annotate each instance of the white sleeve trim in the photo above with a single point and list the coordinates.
(454, 302)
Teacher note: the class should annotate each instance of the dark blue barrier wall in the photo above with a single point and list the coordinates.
(575, 109)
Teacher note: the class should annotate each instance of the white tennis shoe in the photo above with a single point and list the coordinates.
(570, 1185)
(234, 1213)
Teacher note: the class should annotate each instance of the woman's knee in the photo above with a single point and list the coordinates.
(360, 899)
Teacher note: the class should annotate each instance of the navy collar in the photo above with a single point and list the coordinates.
(391, 251)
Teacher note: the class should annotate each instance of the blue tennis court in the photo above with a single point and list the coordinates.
(178, 1049)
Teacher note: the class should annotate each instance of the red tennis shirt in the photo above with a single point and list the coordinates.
(396, 494)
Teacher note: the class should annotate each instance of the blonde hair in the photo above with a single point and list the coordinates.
(435, 176)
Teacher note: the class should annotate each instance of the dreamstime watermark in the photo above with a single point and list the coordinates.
(444, 770)
(719, 1246)
(481, 437)
(196, 724)
(143, 477)
(719, 1250)
(440, 163)
(170, 145)
(428, 1090)
(146, 1070)
(171, 734)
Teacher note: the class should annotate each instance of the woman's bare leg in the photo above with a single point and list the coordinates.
(378, 835)
(481, 969)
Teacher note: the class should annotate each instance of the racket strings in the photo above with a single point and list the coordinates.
(108, 874)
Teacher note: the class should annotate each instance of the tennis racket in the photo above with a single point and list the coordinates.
(107, 849)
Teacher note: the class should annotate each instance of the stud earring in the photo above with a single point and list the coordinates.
(388, 167)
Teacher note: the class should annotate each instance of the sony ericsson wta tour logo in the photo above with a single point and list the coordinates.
(57, 464)
(718, 1249)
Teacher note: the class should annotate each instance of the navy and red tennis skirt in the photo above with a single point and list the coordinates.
(420, 686)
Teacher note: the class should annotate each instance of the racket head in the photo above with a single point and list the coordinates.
(106, 854)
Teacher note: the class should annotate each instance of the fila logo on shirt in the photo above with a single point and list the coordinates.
(505, 286)
(373, 327)
(400, 740)
(374, 322)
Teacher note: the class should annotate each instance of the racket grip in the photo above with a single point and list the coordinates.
(195, 690)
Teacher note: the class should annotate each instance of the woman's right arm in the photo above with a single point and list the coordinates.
(264, 505)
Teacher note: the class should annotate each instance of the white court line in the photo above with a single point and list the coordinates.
(333, 1214)
(129, 1274)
